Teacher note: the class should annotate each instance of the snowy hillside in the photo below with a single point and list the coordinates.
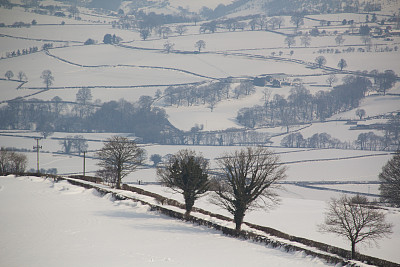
(57, 224)
(134, 68)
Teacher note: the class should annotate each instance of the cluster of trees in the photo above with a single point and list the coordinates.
(20, 24)
(140, 118)
(75, 143)
(6, 4)
(232, 24)
(21, 76)
(371, 141)
(302, 107)
(108, 39)
(147, 23)
(318, 140)
(247, 179)
(364, 141)
(209, 94)
(227, 137)
(288, 7)
(12, 162)
(383, 81)
(26, 51)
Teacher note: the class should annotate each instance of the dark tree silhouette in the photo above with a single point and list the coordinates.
(120, 156)
(186, 173)
(360, 113)
(297, 19)
(355, 220)
(48, 78)
(144, 33)
(247, 181)
(155, 158)
(200, 45)
(342, 64)
(386, 80)
(320, 60)
(290, 41)
(390, 181)
(9, 74)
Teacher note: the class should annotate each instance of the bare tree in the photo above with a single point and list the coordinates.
(47, 77)
(79, 144)
(186, 173)
(342, 64)
(390, 181)
(331, 79)
(290, 41)
(354, 219)
(386, 80)
(339, 39)
(168, 46)
(181, 29)
(200, 45)
(83, 98)
(120, 156)
(66, 144)
(165, 31)
(366, 39)
(57, 105)
(320, 60)
(253, 24)
(9, 74)
(360, 113)
(144, 33)
(156, 158)
(273, 22)
(12, 162)
(18, 162)
(280, 21)
(297, 19)
(22, 76)
(305, 40)
(247, 181)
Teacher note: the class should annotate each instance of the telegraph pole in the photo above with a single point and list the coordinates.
(84, 163)
(37, 147)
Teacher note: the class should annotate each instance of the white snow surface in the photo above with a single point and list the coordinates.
(57, 224)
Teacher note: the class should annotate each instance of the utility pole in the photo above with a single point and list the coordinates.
(37, 147)
(84, 163)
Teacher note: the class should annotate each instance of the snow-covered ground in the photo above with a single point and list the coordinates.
(56, 211)
(57, 224)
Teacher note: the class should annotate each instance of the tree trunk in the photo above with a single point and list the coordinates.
(119, 178)
(189, 203)
(238, 218)
(353, 250)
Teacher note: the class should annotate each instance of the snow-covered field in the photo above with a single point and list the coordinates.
(57, 224)
(106, 232)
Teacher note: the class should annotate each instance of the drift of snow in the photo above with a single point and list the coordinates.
(58, 224)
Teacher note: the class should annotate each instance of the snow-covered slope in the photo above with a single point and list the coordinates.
(57, 224)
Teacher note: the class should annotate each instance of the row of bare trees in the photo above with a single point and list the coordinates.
(365, 141)
(247, 179)
(209, 94)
